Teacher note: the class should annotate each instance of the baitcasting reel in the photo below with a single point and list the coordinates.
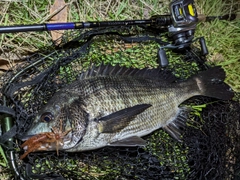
(181, 29)
(184, 21)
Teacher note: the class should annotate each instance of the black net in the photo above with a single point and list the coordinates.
(211, 142)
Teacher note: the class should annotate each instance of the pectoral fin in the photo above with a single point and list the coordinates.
(130, 142)
(118, 120)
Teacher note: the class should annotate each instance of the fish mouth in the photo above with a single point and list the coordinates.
(26, 137)
(35, 130)
(47, 141)
(44, 138)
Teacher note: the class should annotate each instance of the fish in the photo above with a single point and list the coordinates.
(117, 106)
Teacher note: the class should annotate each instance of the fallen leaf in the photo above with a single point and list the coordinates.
(6, 65)
(9, 60)
(59, 11)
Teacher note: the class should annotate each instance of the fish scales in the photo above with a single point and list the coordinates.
(113, 98)
(107, 109)
(122, 92)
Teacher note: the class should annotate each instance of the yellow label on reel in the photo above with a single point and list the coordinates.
(180, 11)
(190, 9)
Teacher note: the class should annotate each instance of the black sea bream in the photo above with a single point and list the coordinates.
(116, 106)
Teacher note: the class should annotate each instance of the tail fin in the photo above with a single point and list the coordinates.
(211, 84)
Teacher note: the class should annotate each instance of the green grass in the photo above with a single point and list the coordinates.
(3, 165)
(32, 12)
(222, 37)
(3, 159)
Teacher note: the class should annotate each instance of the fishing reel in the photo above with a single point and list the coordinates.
(184, 19)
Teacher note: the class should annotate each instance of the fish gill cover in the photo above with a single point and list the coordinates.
(210, 147)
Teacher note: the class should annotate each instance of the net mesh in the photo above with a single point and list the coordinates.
(211, 142)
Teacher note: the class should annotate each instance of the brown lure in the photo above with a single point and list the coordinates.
(34, 143)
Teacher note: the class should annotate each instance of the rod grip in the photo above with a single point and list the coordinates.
(22, 28)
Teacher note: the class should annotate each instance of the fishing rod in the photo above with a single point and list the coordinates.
(77, 25)
(183, 8)
(181, 24)
(178, 10)
(161, 20)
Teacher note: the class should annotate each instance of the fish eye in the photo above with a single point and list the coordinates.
(46, 117)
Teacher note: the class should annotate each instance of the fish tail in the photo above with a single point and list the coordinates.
(207, 83)
(211, 83)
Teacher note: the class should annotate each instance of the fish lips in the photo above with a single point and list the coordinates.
(34, 130)
(25, 137)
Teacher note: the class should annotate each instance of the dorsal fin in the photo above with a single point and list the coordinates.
(109, 70)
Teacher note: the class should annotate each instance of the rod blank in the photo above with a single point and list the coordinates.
(79, 25)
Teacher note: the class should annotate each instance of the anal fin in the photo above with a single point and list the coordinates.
(130, 142)
(176, 127)
(118, 120)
